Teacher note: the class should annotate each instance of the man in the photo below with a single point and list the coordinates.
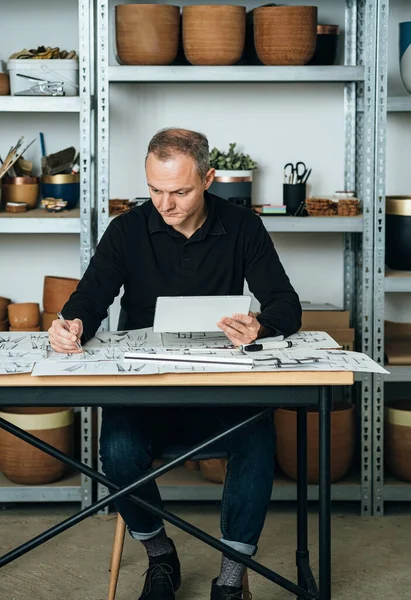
(184, 242)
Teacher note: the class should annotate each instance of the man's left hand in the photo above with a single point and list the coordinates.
(240, 329)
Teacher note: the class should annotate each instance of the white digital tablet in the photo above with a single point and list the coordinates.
(189, 314)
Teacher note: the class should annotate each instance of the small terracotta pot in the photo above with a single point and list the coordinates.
(4, 84)
(56, 292)
(192, 465)
(47, 320)
(4, 302)
(24, 315)
(20, 462)
(213, 34)
(214, 469)
(147, 34)
(342, 442)
(37, 328)
(285, 35)
(4, 325)
(398, 439)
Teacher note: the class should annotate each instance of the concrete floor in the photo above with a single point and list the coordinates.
(371, 556)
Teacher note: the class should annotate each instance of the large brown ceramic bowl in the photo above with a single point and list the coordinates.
(37, 328)
(47, 320)
(56, 292)
(213, 34)
(342, 442)
(23, 190)
(4, 84)
(23, 315)
(285, 35)
(147, 34)
(398, 439)
(4, 325)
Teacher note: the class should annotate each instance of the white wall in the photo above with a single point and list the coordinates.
(274, 123)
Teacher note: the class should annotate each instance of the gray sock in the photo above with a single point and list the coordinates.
(159, 544)
(231, 573)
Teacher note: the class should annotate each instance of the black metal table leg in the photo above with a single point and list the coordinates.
(325, 402)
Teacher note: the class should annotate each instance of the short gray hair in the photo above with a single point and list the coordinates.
(171, 141)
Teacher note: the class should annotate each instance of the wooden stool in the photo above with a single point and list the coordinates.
(116, 560)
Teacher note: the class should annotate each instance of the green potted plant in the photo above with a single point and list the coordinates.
(233, 176)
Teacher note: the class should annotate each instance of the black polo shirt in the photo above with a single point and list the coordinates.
(150, 258)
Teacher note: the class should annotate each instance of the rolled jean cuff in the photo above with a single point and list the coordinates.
(240, 547)
(144, 536)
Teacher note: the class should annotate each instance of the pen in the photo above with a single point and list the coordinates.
(62, 319)
(267, 346)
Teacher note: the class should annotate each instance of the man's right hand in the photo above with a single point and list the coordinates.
(64, 341)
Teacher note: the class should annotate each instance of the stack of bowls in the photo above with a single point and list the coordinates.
(21, 190)
(24, 316)
(285, 35)
(147, 34)
(56, 292)
(62, 187)
(4, 324)
(214, 34)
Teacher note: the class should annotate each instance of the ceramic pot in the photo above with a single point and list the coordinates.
(47, 320)
(4, 84)
(192, 465)
(56, 292)
(213, 34)
(398, 439)
(398, 232)
(235, 186)
(326, 50)
(147, 34)
(405, 54)
(4, 325)
(285, 35)
(23, 314)
(64, 186)
(23, 190)
(342, 442)
(25, 328)
(20, 462)
(4, 302)
(214, 469)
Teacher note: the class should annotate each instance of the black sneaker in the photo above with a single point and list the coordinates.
(163, 577)
(225, 592)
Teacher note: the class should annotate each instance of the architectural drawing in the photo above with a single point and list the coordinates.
(11, 368)
(54, 369)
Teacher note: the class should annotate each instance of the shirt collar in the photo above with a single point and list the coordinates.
(211, 226)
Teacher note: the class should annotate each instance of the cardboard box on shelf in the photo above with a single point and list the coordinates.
(323, 320)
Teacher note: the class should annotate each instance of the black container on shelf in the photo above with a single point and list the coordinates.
(294, 195)
(326, 51)
(235, 186)
(398, 233)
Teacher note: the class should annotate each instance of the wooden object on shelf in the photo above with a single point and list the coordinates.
(147, 34)
(348, 207)
(16, 207)
(285, 35)
(213, 34)
(23, 190)
(342, 442)
(47, 320)
(4, 84)
(24, 464)
(398, 439)
(56, 292)
(214, 469)
(397, 345)
(23, 315)
(321, 207)
(4, 302)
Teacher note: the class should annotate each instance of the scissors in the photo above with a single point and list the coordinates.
(294, 174)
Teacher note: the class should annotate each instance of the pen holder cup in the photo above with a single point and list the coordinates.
(293, 197)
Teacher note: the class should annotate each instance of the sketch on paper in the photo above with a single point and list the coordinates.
(23, 346)
(125, 340)
(54, 369)
(13, 367)
(317, 340)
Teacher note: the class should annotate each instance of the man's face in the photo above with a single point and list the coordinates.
(176, 188)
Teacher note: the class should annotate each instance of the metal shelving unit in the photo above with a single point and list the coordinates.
(358, 75)
(73, 488)
(391, 488)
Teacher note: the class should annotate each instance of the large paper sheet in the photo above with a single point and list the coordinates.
(55, 369)
(12, 368)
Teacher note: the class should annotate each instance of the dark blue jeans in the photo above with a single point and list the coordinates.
(131, 437)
